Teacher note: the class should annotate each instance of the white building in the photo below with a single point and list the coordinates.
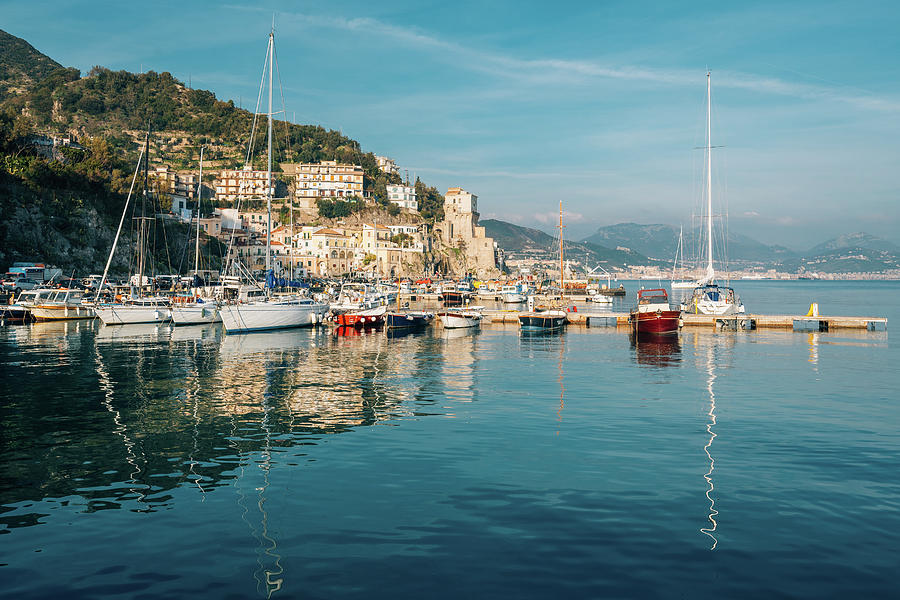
(327, 179)
(403, 196)
(387, 165)
(242, 184)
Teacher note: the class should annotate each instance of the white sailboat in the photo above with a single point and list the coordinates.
(279, 312)
(678, 280)
(136, 308)
(197, 310)
(708, 297)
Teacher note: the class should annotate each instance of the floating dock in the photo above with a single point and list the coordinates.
(728, 322)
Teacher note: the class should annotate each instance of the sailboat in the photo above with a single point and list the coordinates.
(680, 283)
(708, 297)
(135, 307)
(271, 312)
(549, 320)
(194, 310)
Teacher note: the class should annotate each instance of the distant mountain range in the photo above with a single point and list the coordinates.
(661, 241)
(854, 240)
(516, 239)
(632, 244)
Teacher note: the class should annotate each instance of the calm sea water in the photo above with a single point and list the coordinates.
(159, 462)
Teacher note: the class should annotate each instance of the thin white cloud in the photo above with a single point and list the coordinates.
(552, 70)
(553, 217)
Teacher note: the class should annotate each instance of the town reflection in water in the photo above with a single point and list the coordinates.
(192, 409)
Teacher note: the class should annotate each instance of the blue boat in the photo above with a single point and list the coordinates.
(408, 320)
(548, 320)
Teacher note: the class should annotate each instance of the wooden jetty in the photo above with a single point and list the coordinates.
(732, 322)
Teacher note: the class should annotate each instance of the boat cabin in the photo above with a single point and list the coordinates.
(653, 300)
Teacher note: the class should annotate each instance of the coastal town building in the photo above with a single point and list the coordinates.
(327, 179)
(169, 181)
(403, 196)
(460, 230)
(257, 221)
(387, 165)
(242, 184)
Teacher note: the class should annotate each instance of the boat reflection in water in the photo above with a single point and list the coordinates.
(351, 331)
(711, 378)
(656, 350)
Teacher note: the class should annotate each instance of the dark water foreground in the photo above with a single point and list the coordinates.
(157, 462)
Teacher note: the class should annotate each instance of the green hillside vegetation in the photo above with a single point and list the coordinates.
(64, 212)
(21, 65)
(118, 106)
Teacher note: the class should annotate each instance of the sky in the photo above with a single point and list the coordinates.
(599, 104)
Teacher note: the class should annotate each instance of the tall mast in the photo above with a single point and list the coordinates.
(269, 167)
(562, 284)
(143, 218)
(199, 196)
(709, 248)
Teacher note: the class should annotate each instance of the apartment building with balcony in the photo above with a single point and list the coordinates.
(327, 179)
(242, 184)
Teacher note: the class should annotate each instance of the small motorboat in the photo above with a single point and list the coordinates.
(599, 298)
(513, 294)
(408, 320)
(543, 320)
(372, 317)
(461, 318)
(653, 314)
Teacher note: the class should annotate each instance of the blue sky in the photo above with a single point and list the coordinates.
(600, 104)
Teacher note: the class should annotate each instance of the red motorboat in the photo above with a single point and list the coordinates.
(362, 318)
(653, 313)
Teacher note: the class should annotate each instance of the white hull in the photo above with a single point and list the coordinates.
(196, 314)
(708, 307)
(684, 285)
(112, 314)
(460, 321)
(261, 316)
(601, 299)
(513, 298)
(60, 312)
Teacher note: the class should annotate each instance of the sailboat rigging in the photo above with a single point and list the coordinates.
(136, 306)
(708, 297)
(549, 320)
(678, 280)
(194, 309)
(271, 312)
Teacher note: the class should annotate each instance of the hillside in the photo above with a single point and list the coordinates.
(854, 240)
(118, 106)
(845, 260)
(21, 65)
(64, 210)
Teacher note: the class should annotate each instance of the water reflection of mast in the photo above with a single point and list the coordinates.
(562, 388)
(268, 578)
(121, 430)
(196, 397)
(708, 476)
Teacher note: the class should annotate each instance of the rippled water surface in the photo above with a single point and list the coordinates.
(160, 462)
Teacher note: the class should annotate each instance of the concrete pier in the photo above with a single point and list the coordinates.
(735, 322)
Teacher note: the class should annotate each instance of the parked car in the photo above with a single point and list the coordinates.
(16, 282)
